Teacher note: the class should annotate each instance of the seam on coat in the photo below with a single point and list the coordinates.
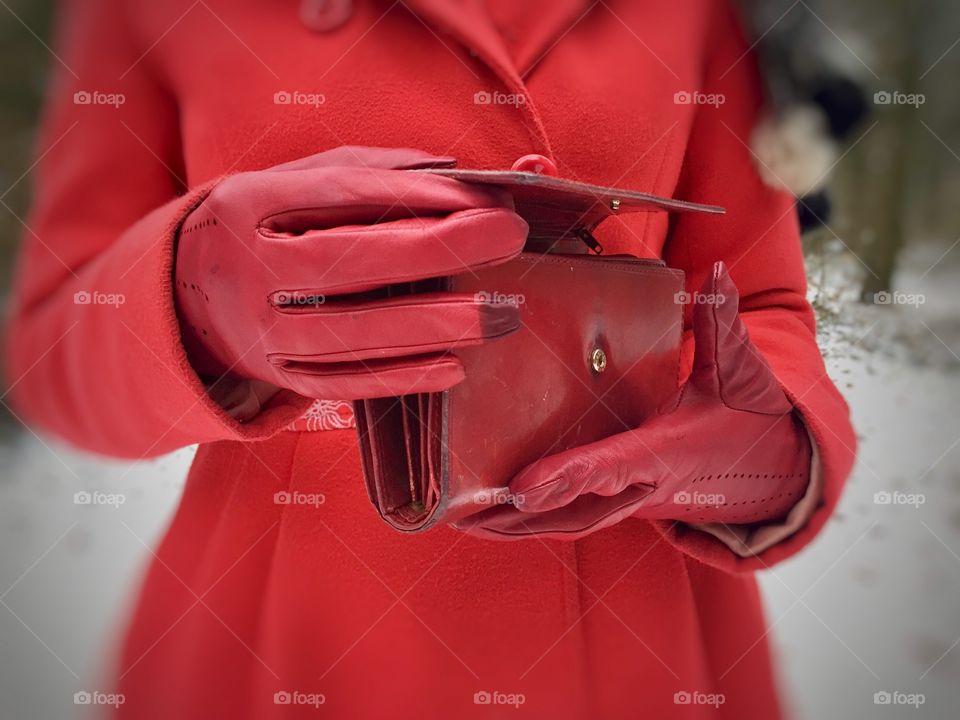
(583, 637)
(573, 622)
(695, 584)
(269, 578)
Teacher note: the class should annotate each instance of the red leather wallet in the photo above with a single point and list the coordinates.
(597, 352)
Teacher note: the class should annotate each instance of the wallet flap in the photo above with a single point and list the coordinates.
(556, 208)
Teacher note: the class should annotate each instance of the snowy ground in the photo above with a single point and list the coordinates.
(870, 607)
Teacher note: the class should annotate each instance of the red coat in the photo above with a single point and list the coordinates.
(248, 597)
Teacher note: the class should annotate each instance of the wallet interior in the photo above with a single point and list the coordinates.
(398, 433)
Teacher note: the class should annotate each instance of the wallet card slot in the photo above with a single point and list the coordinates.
(423, 400)
(434, 432)
(388, 452)
(411, 439)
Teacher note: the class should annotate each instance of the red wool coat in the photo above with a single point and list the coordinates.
(249, 598)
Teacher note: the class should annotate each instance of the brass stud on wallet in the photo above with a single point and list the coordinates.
(441, 457)
(598, 360)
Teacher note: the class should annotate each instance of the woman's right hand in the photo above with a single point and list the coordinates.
(281, 274)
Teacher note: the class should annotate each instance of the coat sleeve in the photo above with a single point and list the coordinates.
(93, 343)
(758, 238)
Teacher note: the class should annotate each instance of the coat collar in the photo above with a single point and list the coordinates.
(561, 17)
(467, 21)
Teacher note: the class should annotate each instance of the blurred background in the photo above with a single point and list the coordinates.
(868, 611)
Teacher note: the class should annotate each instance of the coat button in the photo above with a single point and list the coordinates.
(325, 15)
(536, 164)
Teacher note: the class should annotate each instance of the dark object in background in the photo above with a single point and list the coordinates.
(814, 101)
(844, 102)
(813, 210)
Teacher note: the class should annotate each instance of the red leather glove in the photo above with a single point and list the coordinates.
(281, 274)
(729, 449)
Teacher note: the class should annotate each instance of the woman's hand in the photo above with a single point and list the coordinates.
(281, 274)
(729, 449)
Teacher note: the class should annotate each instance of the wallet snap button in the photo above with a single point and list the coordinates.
(598, 360)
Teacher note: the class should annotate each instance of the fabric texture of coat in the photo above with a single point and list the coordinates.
(311, 596)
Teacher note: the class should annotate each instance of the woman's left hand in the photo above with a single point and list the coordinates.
(730, 448)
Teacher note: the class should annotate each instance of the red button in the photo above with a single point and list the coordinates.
(325, 15)
(536, 164)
